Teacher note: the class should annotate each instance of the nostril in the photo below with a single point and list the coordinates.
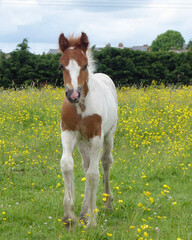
(68, 93)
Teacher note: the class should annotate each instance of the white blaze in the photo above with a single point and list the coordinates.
(74, 70)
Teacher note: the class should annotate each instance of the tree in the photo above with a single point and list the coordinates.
(168, 40)
(189, 45)
(23, 46)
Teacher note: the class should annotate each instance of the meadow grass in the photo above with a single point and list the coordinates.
(151, 176)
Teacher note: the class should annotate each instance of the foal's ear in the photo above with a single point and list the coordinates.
(84, 41)
(63, 42)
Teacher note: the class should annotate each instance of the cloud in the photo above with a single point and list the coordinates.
(42, 23)
(14, 16)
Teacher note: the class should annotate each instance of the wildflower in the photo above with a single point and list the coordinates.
(120, 201)
(151, 200)
(105, 195)
(146, 234)
(132, 227)
(162, 193)
(109, 234)
(147, 193)
(165, 186)
(143, 227)
(81, 221)
(83, 179)
(3, 213)
(174, 203)
(143, 175)
(139, 204)
(157, 229)
(95, 210)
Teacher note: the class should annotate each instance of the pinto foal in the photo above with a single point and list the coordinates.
(88, 120)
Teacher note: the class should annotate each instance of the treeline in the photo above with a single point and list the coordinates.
(126, 67)
(22, 68)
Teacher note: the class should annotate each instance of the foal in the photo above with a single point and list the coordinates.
(88, 120)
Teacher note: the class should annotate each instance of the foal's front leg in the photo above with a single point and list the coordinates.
(92, 179)
(67, 165)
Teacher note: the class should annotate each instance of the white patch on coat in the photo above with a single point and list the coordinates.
(74, 70)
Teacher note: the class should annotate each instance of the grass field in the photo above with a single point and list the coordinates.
(151, 177)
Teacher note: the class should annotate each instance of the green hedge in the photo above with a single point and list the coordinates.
(126, 67)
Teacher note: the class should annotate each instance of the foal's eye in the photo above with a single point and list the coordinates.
(61, 67)
(85, 67)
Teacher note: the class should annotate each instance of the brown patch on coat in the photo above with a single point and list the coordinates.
(69, 116)
(88, 127)
(67, 79)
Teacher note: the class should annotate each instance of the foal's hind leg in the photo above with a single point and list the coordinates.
(85, 153)
(107, 160)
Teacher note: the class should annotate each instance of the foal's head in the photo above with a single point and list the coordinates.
(73, 63)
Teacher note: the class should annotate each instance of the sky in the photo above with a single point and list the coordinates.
(131, 22)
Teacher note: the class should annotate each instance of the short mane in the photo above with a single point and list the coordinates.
(91, 61)
(74, 41)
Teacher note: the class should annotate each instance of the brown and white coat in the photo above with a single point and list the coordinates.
(88, 120)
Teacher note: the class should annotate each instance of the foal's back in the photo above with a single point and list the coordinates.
(103, 100)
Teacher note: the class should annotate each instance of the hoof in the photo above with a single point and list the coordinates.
(69, 222)
(108, 204)
(91, 223)
(109, 207)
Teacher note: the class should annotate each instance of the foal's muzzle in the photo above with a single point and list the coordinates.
(72, 95)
